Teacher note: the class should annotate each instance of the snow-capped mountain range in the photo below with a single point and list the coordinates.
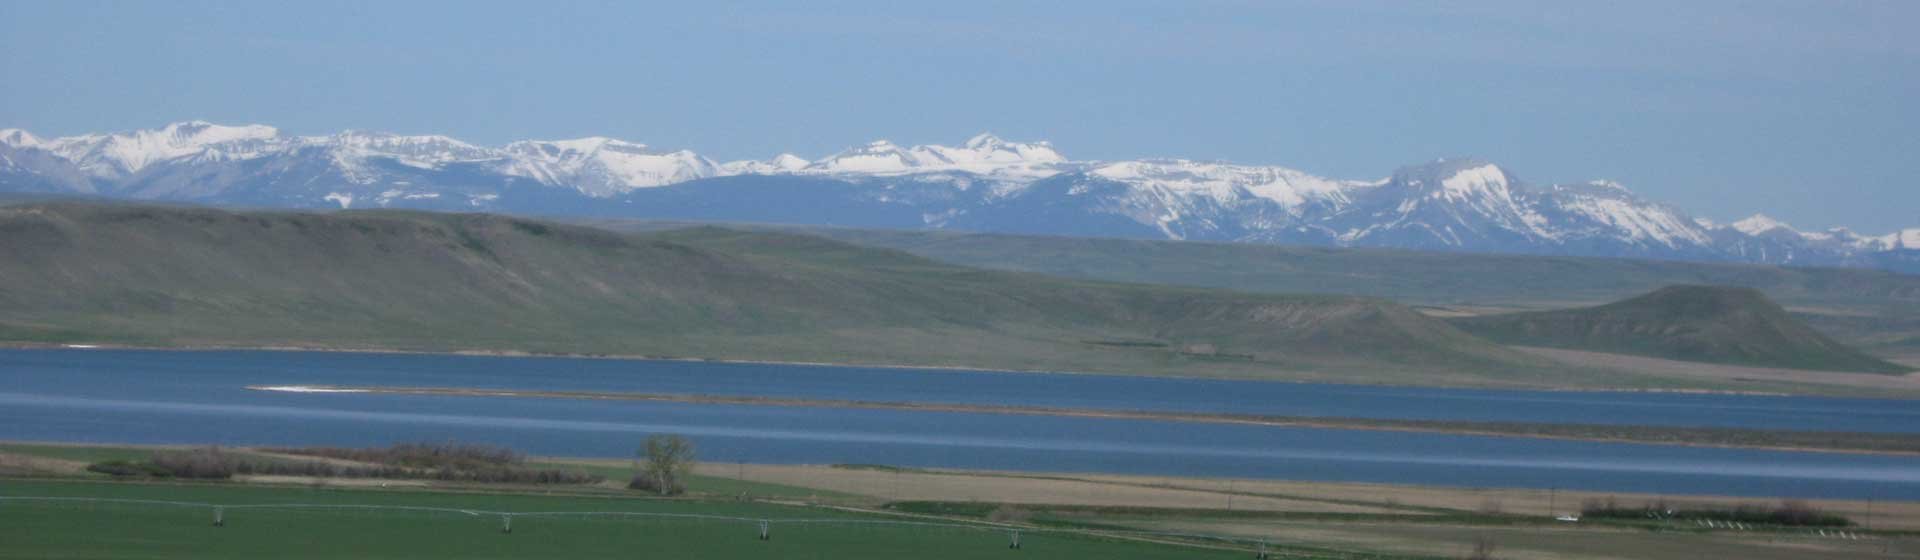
(984, 184)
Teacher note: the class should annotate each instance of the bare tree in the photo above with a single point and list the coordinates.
(665, 462)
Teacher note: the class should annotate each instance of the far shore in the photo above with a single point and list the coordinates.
(1778, 440)
(17, 345)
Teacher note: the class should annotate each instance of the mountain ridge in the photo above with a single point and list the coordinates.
(174, 276)
(986, 183)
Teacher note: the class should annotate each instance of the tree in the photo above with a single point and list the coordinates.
(665, 462)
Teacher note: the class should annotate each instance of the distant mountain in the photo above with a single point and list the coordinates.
(1692, 323)
(985, 184)
(166, 276)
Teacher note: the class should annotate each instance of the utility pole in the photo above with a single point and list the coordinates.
(1552, 499)
(1869, 513)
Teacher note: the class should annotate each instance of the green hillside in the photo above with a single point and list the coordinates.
(1694, 323)
(88, 273)
(1871, 309)
(1412, 276)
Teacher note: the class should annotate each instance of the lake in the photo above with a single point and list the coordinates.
(133, 396)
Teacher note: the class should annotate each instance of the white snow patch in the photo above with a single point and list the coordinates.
(780, 164)
(114, 155)
(1760, 223)
(345, 200)
(18, 138)
(1467, 182)
(1640, 222)
(603, 167)
(984, 154)
(1225, 182)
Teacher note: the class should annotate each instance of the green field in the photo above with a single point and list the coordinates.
(101, 530)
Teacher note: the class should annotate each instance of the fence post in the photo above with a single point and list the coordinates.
(506, 523)
(763, 531)
(219, 516)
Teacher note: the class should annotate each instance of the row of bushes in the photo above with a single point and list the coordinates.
(216, 464)
(1789, 512)
(459, 456)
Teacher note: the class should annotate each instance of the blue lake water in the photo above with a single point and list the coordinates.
(199, 397)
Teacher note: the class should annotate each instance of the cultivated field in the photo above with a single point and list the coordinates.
(119, 530)
(870, 512)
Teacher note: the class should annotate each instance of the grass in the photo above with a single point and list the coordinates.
(1713, 324)
(82, 453)
(699, 484)
(153, 531)
(1421, 277)
(1864, 308)
(1078, 515)
(185, 277)
(1422, 529)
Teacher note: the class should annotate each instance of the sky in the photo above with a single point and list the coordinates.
(1803, 110)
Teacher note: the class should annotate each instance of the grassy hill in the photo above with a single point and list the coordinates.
(1413, 276)
(1872, 309)
(161, 276)
(1694, 323)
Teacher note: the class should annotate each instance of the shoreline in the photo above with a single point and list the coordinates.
(1635, 434)
(16, 345)
(881, 482)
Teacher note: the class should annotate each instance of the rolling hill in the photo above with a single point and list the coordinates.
(168, 276)
(1871, 309)
(1692, 323)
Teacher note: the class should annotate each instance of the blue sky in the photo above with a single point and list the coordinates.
(1804, 110)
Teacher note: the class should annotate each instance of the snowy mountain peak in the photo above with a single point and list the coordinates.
(17, 138)
(1474, 180)
(1224, 182)
(1609, 185)
(121, 153)
(984, 141)
(602, 143)
(780, 164)
(986, 183)
(201, 133)
(789, 162)
(599, 166)
(424, 150)
(1906, 239)
(983, 154)
(1476, 186)
(1760, 223)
